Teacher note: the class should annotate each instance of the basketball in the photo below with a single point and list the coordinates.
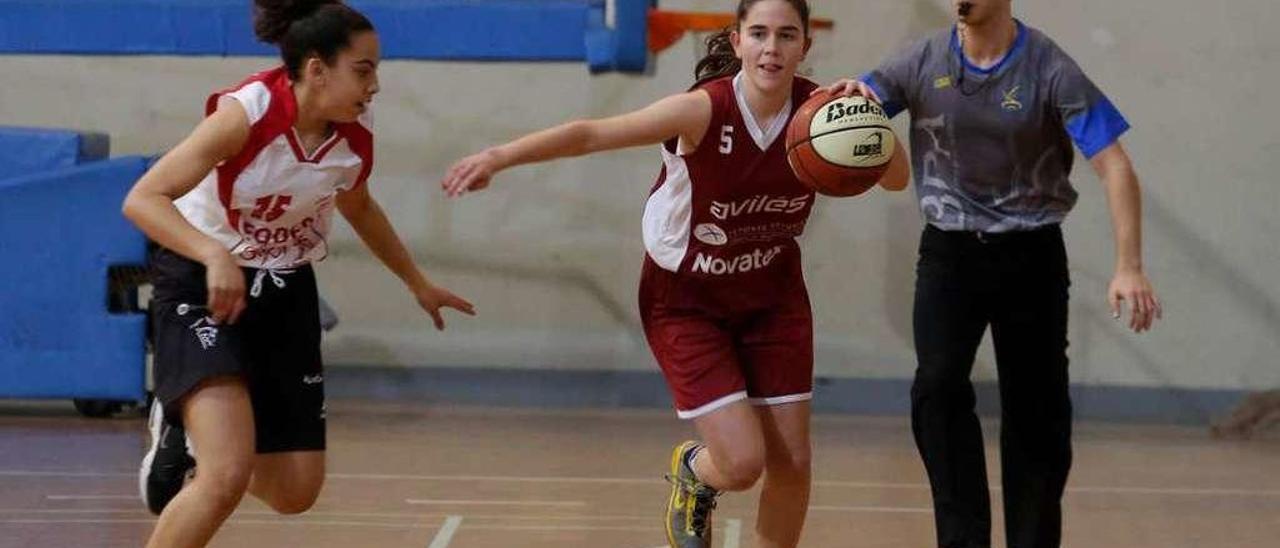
(840, 146)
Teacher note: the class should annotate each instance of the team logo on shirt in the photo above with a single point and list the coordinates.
(1011, 103)
(708, 233)
(744, 263)
(942, 82)
(758, 204)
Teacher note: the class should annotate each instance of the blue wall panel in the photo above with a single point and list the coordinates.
(506, 30)
(59, 233)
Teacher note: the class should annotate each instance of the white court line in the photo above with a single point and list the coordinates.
(91, 497)
(107, 520)
(1189, 491)
(496, 479)
(499, 502)
(67, 474)
(445, 535)
(348, 515)
(293, 522)
(828, 483)
(332, 523)
(1174, 491)
(409, 515)
(732, 533)
(873, 509)
(72, 511)
(648, 529)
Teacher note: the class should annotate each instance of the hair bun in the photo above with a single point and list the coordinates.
(271, 18)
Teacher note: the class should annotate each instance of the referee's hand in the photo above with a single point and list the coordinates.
(1144, 307)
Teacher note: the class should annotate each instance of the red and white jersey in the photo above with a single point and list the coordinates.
(725, 217)
(272, 203)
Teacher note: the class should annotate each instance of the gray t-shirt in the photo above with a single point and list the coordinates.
(991, 149)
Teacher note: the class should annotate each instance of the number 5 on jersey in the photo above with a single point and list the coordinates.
(726, 139)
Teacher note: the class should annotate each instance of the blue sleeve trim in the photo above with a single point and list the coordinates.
(1097, 128)
(891, 106)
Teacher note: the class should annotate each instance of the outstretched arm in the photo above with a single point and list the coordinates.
(371, 224)
(685, 115)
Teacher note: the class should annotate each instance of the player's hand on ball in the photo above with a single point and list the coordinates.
(849, 87)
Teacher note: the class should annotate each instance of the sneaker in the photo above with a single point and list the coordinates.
(689, 508)
(164, 468)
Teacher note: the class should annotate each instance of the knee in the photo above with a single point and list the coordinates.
(740, 469)
(289, 494)
(294, 502)
(940, 383)
(224, 485)
(794, 462)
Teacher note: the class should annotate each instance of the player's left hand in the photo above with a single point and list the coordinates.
(432, 299)
(1144, 306)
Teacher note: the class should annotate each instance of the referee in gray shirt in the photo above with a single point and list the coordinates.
(996, 108)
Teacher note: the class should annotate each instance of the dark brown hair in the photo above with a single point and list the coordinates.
(720, 59)
(305, 27)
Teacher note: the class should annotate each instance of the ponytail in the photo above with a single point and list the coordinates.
(307, 27)
(720, 59)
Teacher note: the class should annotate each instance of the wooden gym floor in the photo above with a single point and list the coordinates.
(417, 476)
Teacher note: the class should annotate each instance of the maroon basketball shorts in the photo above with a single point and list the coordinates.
(712, 358)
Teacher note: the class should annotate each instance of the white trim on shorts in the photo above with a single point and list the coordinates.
(779, 400)
(715, 405)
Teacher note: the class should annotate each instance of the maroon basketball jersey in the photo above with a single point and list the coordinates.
(724, 218)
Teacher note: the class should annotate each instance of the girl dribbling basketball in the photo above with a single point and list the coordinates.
(722, 297)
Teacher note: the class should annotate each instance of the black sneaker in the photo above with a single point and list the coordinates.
(164, 468)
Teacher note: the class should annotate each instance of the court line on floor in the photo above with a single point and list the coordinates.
(1190, 491)
(732, 533)
(91, 497)
(414, 516)
(333, 514)
(445, 535)
(732, 525)
(872, 509)
(574, 503)
(56, 511)
(66, 474)
(632, 528)
(291, 521)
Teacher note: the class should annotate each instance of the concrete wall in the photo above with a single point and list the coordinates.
(551, 254)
